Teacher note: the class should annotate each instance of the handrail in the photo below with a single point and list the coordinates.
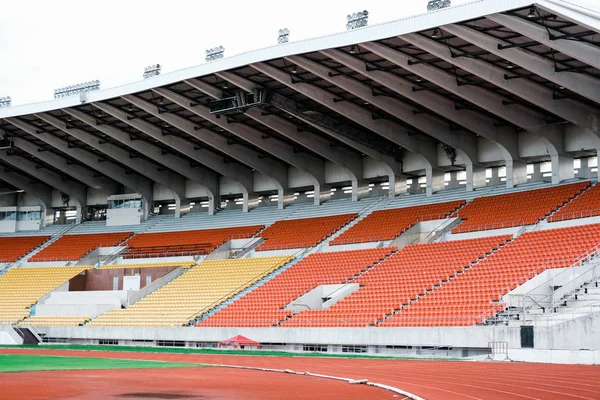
(592, 212)
(487, 226)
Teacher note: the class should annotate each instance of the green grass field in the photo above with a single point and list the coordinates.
(28, 363)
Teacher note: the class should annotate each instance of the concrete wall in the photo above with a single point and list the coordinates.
(9, 336)
(85, 304)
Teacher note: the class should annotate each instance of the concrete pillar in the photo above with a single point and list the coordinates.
(182, 206)
(516, 173)
(397, 185)
(475, 177)
(250, 201)
(562, 169)
(360, 189)
(434, 181)
(284, 198)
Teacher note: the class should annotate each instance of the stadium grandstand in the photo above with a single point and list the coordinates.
(426, 186)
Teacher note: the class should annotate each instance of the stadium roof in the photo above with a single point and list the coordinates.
(481, 81)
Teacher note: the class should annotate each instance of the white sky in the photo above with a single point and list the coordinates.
(49, 44)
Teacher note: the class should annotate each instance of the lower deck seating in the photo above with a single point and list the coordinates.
(185, 243)
(398, 280)
(265, 306)
(473, 296)
(182, 264)
(13, 248)
(195, 292)
(54, 321)
(391, 223)
(302, 233)
(516, 209)
(75, 247)
(585, 206)
(20, 288)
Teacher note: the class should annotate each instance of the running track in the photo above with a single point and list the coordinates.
(432, 380)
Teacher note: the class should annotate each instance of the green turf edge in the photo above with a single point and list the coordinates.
(187, 350)
(36, 362)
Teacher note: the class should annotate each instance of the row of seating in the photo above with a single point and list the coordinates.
(20, 288)
(195, 292)
(516, 209)
(75, 247)
(584, 206)
(389, 224)
(46, 321)
(301, 233)
(473, 296)
(13, 248)
(399, 280)
(266, 305)
(182, 264)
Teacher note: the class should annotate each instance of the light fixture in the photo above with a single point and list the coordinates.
(68, 91)
(215, 53)
(510, 65)
(294, 70)
(284, 36)
(225, 85)
(130, 108)
(161, 101)
(435, 34)
(531, 12)
(561, 88)
(5, 102)
(433, 5)
(419, 79)
(353, 49)
(152, 70)
(357, 20)
(366, 103)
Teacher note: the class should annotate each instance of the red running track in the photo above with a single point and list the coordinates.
(432, 380)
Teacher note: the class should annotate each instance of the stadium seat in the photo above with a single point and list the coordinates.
(515, 209)
(398, 280)
(301, 233)
(195, 292)
(20, 288)
(13, 248)
(389, 224)
(265, 306)
(584, 206)
(182, 264)
(185, 243)
(75, 247)
(54, 321)
(473, 296)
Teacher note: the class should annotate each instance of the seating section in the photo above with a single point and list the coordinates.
(515, 209)
(185, 243)
(265, 306)
(195, 292)
(54, 321)
(391, 223)
(302, 233)
(20, 288)
(75, 247)
(399, 280)
(182, 264)
(585, 206)
(13, 248)
(472, 297)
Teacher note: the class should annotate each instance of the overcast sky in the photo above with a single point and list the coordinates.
(49, 44)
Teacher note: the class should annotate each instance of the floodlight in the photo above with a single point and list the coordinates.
(5, 102)
(357, 20)
(531, 12)
(435, 34)
(71, 90)
(215, 53)
(284, 36)
(152, 70)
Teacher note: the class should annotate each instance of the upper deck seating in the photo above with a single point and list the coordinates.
(585, 205)
(398, 280)
(195, 292)
(13, 248)
(301, 233)
(391, 223)
(164, 244)
(182, 264)
(75, 247)
(265, 305)
(515, 209)
(20, 288)
(472, 296)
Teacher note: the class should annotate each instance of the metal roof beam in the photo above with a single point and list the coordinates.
(41, 191)
(208, 179)
(74, 190)
(140, 184)
(317, 144)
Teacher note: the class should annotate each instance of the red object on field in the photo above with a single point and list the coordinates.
(239, 342)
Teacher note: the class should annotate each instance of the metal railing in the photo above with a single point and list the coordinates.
(487, 226)
(594, 212)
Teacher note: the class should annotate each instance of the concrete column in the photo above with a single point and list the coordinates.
(322, 193)
(250, 201)
(360, 189)
(536, 176)
(182, 206)
(284, 198)
(562, 169)
(475, 177)
(516, 173)
(397, 185)
(434, 181)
